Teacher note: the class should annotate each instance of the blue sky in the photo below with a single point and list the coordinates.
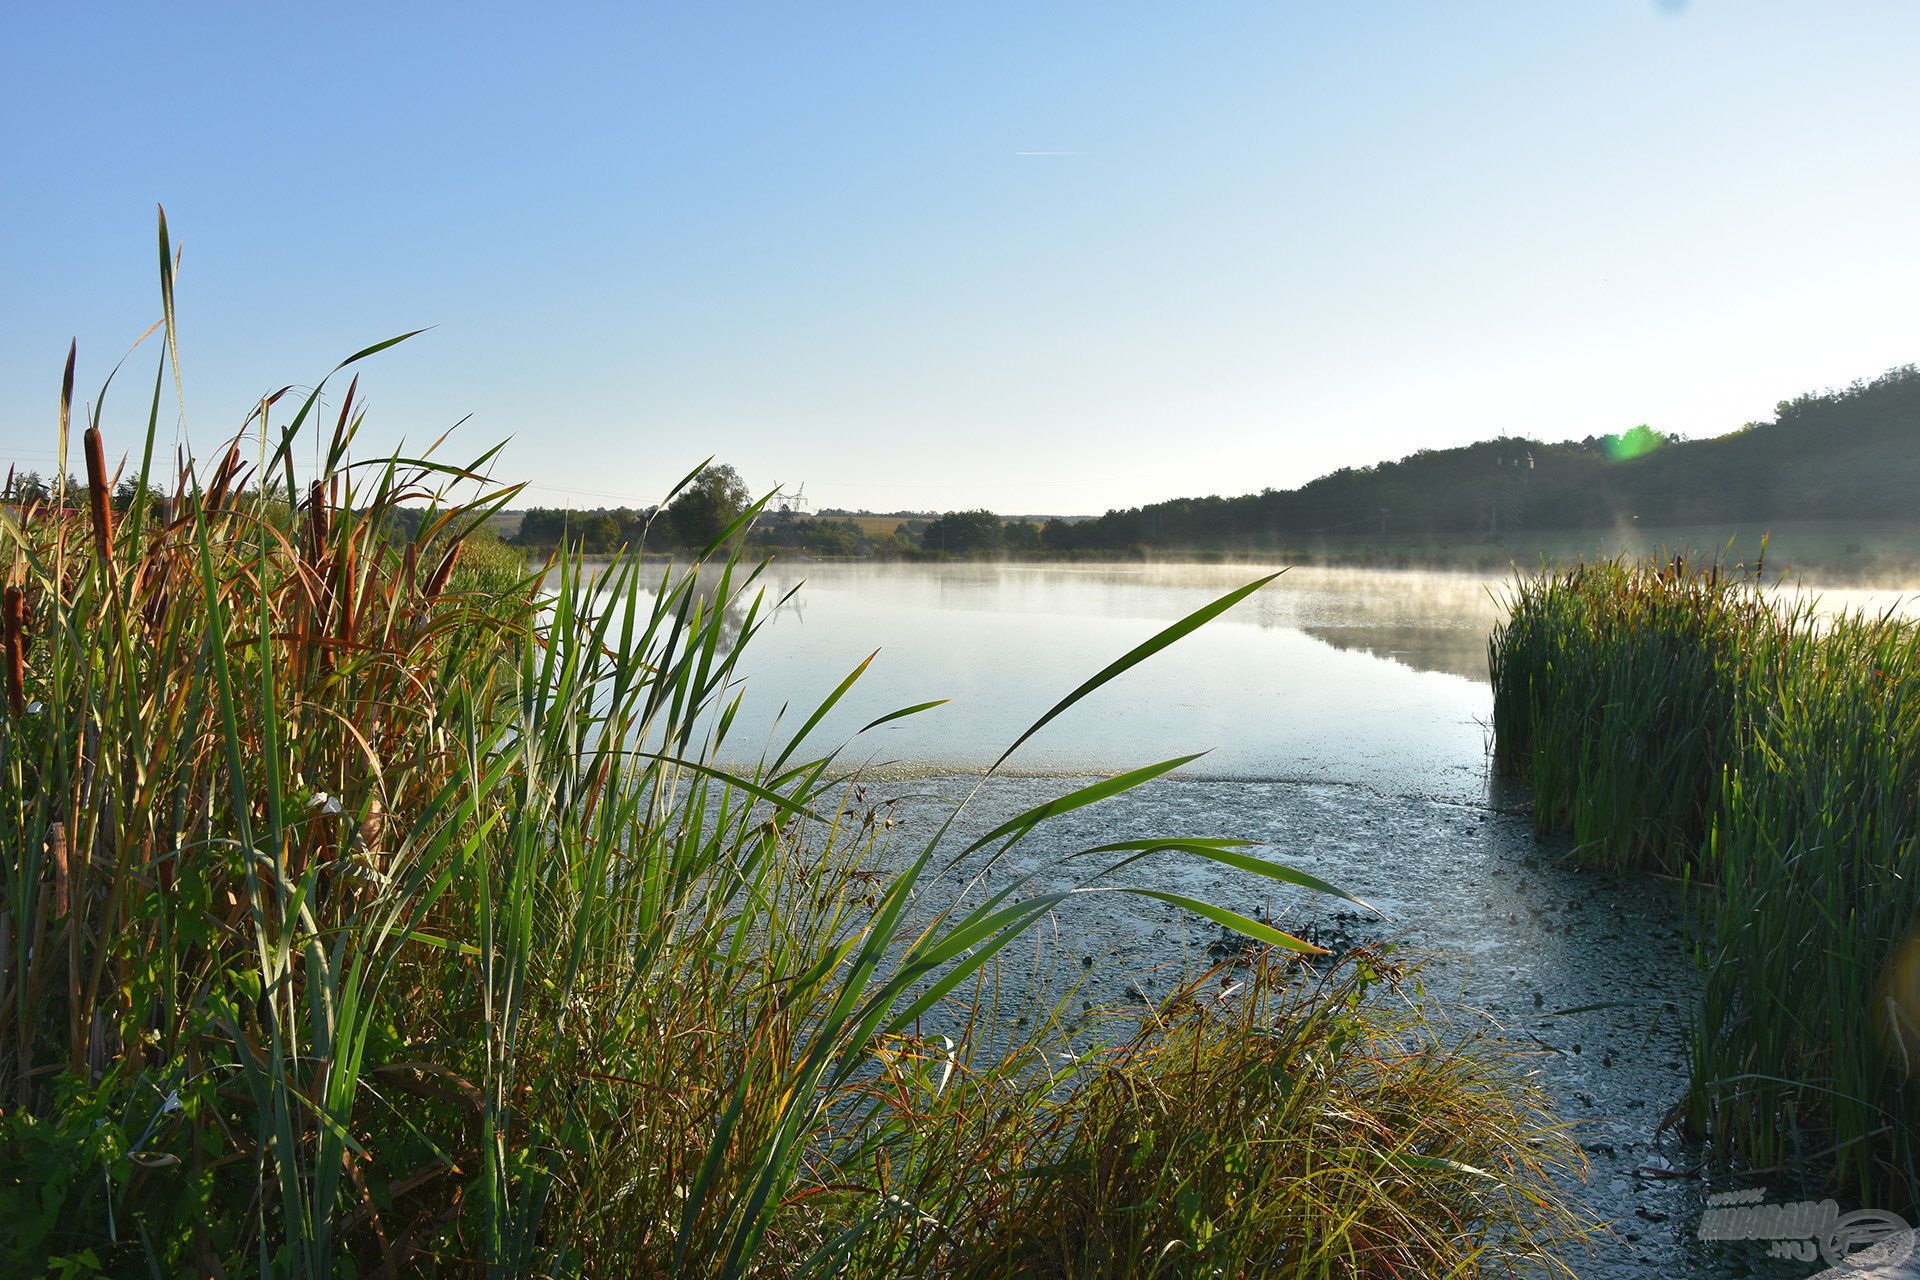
(1284, 238)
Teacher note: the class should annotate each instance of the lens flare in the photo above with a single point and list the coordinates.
(1899, 1002)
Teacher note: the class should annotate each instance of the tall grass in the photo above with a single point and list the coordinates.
(385, 908)
(1613, 696)
(1675, 717)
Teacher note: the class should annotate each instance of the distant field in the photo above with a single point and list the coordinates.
(872, 526)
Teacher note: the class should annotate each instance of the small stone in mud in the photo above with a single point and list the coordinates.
(1133, 993)
(1538, 999)
(1086, 962)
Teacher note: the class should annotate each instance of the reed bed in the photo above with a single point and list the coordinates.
(1675, 717)
(379, 905)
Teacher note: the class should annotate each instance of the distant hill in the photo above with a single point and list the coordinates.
(1850, 455)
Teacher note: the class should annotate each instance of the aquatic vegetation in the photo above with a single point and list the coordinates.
(1613, 696)
(375, 904)
(1674, 717)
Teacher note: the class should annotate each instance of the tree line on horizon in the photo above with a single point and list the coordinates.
(1846, 454)
(1839, 454)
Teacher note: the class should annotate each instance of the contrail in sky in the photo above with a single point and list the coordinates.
(1053, 153)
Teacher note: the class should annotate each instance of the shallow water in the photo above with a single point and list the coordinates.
(1344, 714)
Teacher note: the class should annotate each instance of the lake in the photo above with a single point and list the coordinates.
(1344, 716)
(1373, 679)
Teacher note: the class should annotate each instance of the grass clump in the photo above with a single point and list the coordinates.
(1613, 695)
(1259, 1126)
(375, 905)
(1675, 717)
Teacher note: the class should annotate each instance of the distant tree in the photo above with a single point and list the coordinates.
(123, 493)
(403, 524)
(596, 533)
(1057, 535)
(633, 524)
(841, 539)
(1022, 537)
(28, 486)
(705, 508)
(541, 528)
(966, 533)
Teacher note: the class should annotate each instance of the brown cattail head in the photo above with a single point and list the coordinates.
(344, 587)
(13, 628)
(318, 523)
(98, 496)
(57, 854)
(443, 571)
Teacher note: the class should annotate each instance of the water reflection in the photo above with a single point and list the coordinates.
(1454, 651)
(1359, 678)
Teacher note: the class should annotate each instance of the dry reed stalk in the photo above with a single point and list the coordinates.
(98, 498)
(14, 624)
(151, 588)
(344, 591)
(57, 854)
(222, 477)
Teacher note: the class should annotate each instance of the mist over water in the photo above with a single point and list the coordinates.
(1375, 679)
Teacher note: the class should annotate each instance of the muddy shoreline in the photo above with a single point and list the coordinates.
(1590, 970)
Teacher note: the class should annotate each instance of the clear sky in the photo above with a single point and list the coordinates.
(1037, 257)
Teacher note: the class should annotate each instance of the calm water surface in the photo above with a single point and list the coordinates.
(1373, 679)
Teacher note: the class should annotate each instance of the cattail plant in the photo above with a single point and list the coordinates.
(365, 929)
(99, 496)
